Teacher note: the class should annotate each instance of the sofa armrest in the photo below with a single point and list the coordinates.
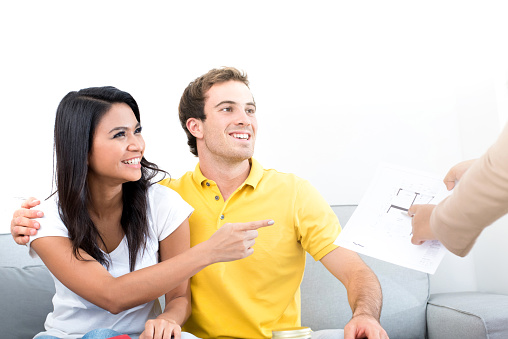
(467, 315)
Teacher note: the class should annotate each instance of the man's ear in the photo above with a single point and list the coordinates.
(195, 127)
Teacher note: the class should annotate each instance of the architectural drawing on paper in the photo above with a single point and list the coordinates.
(405, 198)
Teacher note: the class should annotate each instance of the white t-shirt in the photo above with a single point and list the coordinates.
(73, 316)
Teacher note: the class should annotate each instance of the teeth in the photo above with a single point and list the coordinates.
(134, 161)
(241, 135)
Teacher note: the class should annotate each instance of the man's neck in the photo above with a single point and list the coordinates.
(228, 176)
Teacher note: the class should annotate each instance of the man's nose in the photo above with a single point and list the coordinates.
(242, 118)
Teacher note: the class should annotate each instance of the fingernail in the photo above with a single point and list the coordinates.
(271, 222)
(35, 201)
(37, 225)
(39, 214)
(406, 214)
(32, 232)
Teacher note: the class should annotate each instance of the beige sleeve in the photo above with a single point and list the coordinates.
(480, 198)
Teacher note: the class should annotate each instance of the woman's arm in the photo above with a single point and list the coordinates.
(91, 281)
(178, 304)
(178, 300)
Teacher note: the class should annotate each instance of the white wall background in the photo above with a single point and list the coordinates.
(340, 86)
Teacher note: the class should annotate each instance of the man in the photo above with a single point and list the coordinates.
(251, 297)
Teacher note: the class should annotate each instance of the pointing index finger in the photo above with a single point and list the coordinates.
(254, 225)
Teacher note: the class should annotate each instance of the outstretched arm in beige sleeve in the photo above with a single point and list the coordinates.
(421, 213)
(480, 199)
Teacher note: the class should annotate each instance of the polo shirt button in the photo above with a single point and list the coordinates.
(222, 217)
(207, 184)
(216, 197)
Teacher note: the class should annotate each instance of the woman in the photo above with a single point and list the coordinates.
(104, 230)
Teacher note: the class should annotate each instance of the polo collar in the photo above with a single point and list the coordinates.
(198, 177)
(255, 175)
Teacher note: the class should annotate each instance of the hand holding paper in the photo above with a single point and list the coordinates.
(381, 228)
(420, 223)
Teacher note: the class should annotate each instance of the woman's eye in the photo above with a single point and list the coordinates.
(138, 130)
(251, 111)
(119, 134)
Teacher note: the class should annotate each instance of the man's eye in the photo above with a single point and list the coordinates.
(251, 111)
(227, 109)
(119, 134)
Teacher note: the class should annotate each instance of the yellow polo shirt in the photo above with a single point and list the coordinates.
(248, 298)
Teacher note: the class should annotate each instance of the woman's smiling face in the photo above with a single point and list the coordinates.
(117, 147)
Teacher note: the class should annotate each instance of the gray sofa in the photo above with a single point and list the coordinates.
(408, 309)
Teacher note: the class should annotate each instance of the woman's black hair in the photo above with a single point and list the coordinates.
(77, 117)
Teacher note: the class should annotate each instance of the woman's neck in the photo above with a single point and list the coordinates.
(105, 208)
(105, 199)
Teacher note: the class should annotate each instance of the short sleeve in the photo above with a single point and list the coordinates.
(168, 210)
(316, 224)
(51, 224)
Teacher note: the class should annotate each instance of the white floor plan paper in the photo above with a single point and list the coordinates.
(380, 226)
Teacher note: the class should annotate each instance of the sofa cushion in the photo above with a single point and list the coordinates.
(467, 315)
(405, 295)
(25, 297)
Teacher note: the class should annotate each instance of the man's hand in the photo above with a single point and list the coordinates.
(456, 172)
(161, 329)
(234, 241)
(421, 223)
(22, 225)
(364, 326)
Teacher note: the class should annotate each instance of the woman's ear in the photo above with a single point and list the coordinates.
(195, 127)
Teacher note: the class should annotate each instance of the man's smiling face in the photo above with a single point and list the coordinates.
(229, 130)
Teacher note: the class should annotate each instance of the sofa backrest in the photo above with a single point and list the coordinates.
(26, 291)
(14, 255)
(405, 295)
(25, 297)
